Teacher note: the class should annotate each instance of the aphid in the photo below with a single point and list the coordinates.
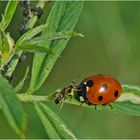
(24, 3)
(23, 58)
(22, 28)
(26, 15)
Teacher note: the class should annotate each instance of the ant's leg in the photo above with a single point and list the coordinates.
(60, 107)
(61, 104)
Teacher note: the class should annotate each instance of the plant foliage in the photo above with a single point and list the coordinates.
(46, 41)
(47, 47)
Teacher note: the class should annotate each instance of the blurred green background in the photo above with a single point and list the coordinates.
(111, 46)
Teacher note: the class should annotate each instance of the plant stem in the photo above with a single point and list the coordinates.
(33, 98)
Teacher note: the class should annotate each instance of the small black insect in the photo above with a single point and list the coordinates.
(28, 10)
(66, 91)
(26, 15)
(24, 3)
(22, 28)
(23, 58)
(58, 97)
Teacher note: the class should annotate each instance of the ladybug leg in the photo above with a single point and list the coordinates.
(110, 106)
(95, 106)
(92, 104)
(89, 103)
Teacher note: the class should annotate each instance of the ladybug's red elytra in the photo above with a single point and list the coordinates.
(99, 89)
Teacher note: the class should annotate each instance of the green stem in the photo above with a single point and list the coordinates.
(33, 98)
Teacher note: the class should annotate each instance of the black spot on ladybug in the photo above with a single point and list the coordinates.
(89, 83)
(116, 93)
(100, 98)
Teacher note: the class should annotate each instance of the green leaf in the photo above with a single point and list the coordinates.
(131, 89)
(30, 34)
(34, 44)
(5, 45)
(13, 63)
(21, 83)
(63, 17)
(127, 103)
(12, 108)
(54, 36)
(8, 14)
(126, 107)
(50, 130)
(33, 48)
(1, 42)
(56, 122)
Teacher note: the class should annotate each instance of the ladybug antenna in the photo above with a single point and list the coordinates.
(76, 79)
(78, 76)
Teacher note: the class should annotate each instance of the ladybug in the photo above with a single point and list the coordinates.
(99, 89)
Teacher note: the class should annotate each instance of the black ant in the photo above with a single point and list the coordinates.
(60, 95)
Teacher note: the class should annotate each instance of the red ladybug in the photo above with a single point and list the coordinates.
(99, 89)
